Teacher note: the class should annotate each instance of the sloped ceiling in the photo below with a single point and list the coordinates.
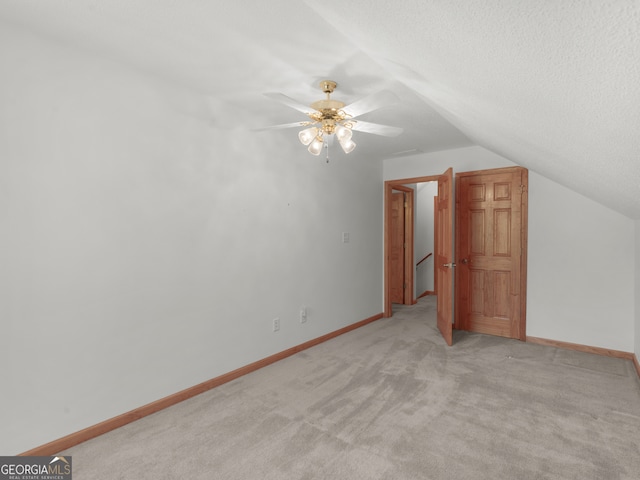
(551, 85)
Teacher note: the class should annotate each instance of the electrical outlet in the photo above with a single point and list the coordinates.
(303, 314)
(276, 324)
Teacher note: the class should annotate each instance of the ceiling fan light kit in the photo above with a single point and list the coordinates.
(330, 117)
(315, 147)
(307, 135)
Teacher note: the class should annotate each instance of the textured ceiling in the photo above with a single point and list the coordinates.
(551, 85)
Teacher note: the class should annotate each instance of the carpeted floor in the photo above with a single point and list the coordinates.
(391, 401)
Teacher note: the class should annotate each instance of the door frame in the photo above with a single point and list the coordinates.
(389, 186)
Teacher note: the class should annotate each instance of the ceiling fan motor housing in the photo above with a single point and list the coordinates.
(328, 107)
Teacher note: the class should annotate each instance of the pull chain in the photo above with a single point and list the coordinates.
(326, 146)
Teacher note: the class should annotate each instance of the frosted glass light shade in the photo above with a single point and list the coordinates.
(307, 135)
(316, 146)
(343, 133)
(347, 145)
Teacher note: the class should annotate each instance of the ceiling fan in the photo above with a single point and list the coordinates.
(329, 118)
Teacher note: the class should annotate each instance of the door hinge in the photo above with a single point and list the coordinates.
(523, 189)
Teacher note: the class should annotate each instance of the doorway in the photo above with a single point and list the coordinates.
(391, 257)
(491, 251)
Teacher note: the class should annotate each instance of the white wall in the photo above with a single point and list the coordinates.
(424, 235)
(636, 289)
(144, 251)
(461, 159)
(581, 269)
(580, 280)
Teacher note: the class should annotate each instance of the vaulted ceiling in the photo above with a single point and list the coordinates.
(551, 85)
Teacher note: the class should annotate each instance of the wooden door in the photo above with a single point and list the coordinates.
(491, 218)
(444, 255)
(397, 247)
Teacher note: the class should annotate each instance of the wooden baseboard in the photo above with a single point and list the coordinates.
(587, 349)
(88, 433)
(582, 348)
(428, 292)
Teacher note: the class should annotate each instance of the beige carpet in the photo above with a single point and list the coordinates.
(391, 401)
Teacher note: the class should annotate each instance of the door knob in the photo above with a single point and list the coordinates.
(465, 260)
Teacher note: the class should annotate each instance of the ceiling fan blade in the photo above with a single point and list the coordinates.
(376, 128)
(290, 102)
(370, 103)
(285, 125)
